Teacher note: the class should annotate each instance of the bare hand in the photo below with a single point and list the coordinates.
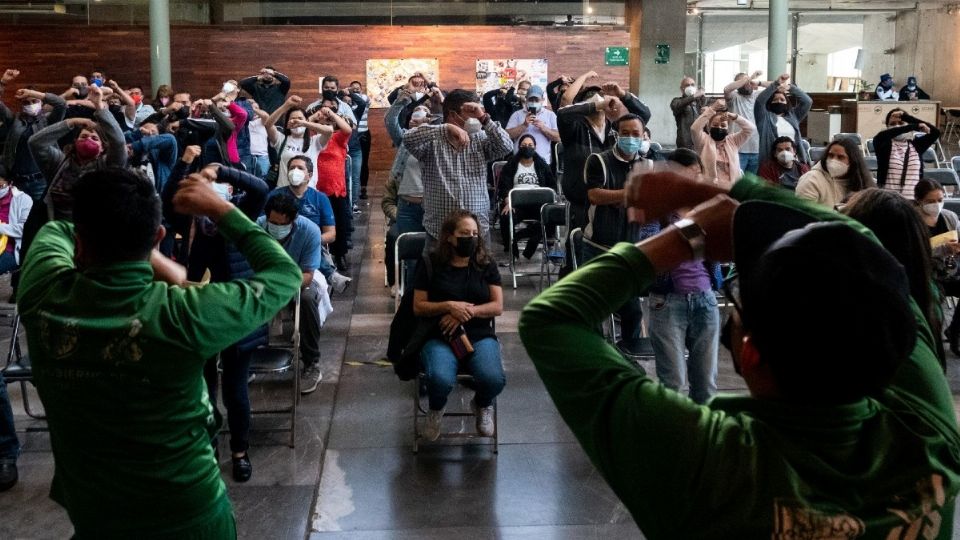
(612, 89)
(456, 137)
(783, 79)
(592, 75)
(925, 128)
(611, 104)
(756, 75)
(294, 101)
(9, 75)
(194, 197)
(461, 311)
(472, 110)
(661, 192)
(191, 153)
(96, 97)
(25, 93)
(715, 217)
(719, 105)
(448, 324)
(531, 118)
(113, 84)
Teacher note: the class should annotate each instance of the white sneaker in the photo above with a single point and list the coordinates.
(339, 282)
(485, 425)
(431, 430)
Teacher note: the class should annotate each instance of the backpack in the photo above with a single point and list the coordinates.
(408, 333)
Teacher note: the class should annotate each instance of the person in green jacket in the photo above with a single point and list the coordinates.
(849, 429)
(118, 356)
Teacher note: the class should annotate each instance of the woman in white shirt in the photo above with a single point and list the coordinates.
(524, 169)
(299, 136)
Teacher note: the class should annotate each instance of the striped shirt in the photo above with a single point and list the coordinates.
(904, 171)
(455, 179)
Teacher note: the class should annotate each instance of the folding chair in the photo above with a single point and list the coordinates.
(952, 204)
(282, 354)
(870, 150)
(806, 145)
(955, 163)
(930, 158)
(519, 199)
(951, 125)
(558, 160)
(656, 147)
(17, 368)
(855, 137)
(553, 217)
(871, 162)
(946, 177)
(408, 250)
(816, 154)
(496, 169)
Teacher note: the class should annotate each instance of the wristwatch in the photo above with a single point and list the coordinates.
(694, 235)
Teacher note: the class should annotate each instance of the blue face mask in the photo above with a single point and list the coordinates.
(279, 231)
(629, 145)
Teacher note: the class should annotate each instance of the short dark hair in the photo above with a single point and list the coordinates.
(304, 159)
(116, 213)
(456, 99)
(282, 203)
(886, 119)
(776, 143)
(924, 186)
(330, 78)
(356, 82)
(626, 118)
(686, 157)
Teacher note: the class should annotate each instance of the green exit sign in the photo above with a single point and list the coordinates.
(616, 56)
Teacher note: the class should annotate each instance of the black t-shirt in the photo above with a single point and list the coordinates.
(940, 227)
(467, 284)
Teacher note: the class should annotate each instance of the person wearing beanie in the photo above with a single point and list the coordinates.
(912, 92)
(885, 90)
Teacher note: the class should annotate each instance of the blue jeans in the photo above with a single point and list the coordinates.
(749, 162)
(353, 175)
(440, 367)
(630, 313)
(257, 165)
(409, 216)
(9, 444)
(691, 322)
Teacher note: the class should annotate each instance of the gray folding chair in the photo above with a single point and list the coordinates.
(870, 150)
(497, 169)
(930, 158)
(464, 380)
(553, 219)
(948, 178)
(952, 204)
(281, 355)
(816, 154)
(955, 163)
(519, 199)
(408, 250)
(855, 137)
(656, 147)
(17, 369)
(871, 162)
(558, 161)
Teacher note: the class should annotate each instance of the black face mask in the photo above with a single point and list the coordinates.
(466, 245)
(745, 91)
(718, 134)
(330, 95)
(527, 152)
(777, 108)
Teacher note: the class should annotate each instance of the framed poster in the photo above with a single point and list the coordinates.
(385, 74)
(494, 73)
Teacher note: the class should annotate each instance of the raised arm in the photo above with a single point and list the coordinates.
(392, 118)
(804, 102)
(45, 149)
(575, 87)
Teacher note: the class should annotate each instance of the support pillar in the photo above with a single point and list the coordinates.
(777, 37)
(159, 44)
(663, 22)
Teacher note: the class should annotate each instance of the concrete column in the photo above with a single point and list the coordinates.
(662, 22)
(777, 37)
(633, 10)
(159, 43)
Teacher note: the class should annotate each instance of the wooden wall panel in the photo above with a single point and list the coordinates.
(203, 57)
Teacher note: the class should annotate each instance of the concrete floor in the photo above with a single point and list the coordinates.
(353, 475)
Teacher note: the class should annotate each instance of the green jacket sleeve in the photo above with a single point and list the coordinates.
(49, 259)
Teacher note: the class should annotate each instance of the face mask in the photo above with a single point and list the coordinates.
(471, 126)
(904, 137)
(228, 88)
(718, 133)
(137, 99)
(786, 157)
(96, 82)
(417, 96)
(534, 107)
(279, 231)
(87, 148)
(527, 152)
(628, 145)
(744, 91)
(296, 177)
(4, 191)
(223, 190)
(930, 209)
(689, 90)
(644, 146)
(418, 115)
(466, 245)
(837, 168)
(298, 131)
(777, 108)
(164, 101)
(32, 109)
(82, 89)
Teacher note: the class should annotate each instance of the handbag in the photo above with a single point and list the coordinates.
(273, 173)
(459, 343)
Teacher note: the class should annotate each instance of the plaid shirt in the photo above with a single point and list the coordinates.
(455, 179)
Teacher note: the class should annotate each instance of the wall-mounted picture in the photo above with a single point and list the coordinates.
(493, 74)
(385, 74)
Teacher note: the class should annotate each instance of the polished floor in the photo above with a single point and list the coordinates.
(353, 476)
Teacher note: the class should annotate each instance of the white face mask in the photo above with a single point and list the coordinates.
(786, 157)
(932, 209)
(690, 90)
(298, 131)
(471, 126)
(4, 191)
(228, 88)
(33, 109)
(837, 168)
(644, 146)
(418, 115)
(223, 190)
(296, 177)
(279, 231)
(417, 95)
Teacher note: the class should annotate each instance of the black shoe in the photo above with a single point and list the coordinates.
(8, 474)
(363, 194)
(242, 468)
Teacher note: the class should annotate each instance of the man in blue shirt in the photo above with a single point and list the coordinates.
(300, 238)
(314, 206)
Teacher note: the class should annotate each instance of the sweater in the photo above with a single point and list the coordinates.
(742, 467)
(709, 148)
(20, 128)
(883, 144)
(767, 121)
(818, 186)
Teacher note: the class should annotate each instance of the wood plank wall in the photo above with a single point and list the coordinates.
(203, 57)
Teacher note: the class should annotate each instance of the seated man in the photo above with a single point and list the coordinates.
(118, 358)
(850, 434)
(301, 240)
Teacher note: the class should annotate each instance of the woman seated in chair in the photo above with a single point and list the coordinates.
(928, 198)
(461, 290)
(524, 169)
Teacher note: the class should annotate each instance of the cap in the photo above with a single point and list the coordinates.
(821, 299)
(886, 77)
(535, 91)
